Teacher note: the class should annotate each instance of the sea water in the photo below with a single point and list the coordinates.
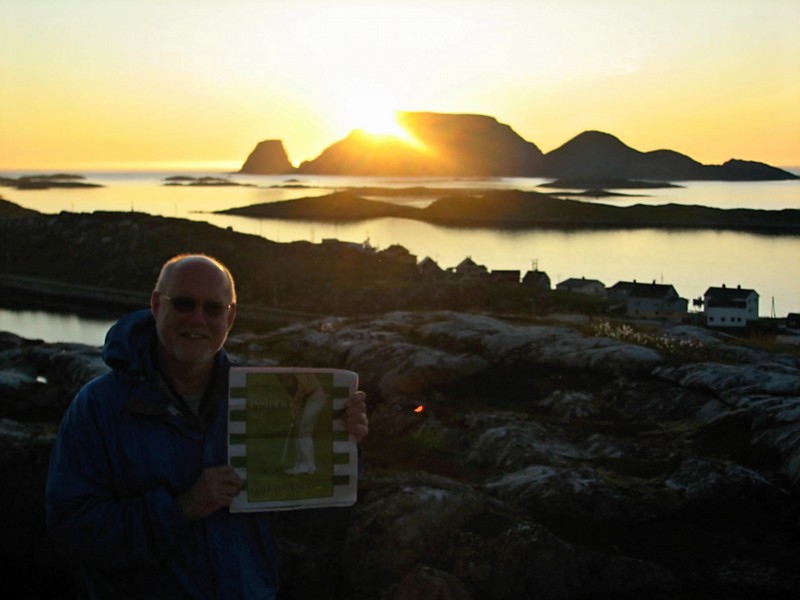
(690, 260)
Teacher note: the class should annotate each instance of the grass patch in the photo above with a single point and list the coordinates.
(687, 350)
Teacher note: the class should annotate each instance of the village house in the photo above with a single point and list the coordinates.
(590, 287)
(364, 246)
(504, 276)
(537, 279)
(430, 269)
(730, 307)
(399, 254)
(649, 300)
(470, 269)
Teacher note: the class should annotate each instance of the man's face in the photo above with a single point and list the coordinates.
(192, 337)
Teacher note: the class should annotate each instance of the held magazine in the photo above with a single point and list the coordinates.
(286, 438)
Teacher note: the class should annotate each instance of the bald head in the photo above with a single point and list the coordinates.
(175, 264)
(194, 306)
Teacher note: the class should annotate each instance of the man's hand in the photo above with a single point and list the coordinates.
(355, 416)
(215, 488)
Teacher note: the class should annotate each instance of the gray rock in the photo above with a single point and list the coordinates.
(509, 442)
(735, 380)
(580, 494)
(534, 563)
(576, 466)
(724, 483)
(401, 523)
(427, 582)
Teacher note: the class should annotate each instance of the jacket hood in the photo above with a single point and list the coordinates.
(130, 350)
(128, 342)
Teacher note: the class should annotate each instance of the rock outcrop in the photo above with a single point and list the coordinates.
(468, 145)
(268, 158)
(595, 154)
(508, 461)
(444, 145)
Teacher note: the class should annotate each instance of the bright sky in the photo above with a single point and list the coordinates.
(134, 83)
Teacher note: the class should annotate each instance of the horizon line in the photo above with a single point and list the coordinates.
(226, 167)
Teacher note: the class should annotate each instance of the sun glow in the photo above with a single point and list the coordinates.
(151, 81)
(373, 111)
(382, 123)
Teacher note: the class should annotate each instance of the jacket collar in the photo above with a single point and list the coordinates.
(130, 350)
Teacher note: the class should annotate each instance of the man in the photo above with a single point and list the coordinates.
(139, 485)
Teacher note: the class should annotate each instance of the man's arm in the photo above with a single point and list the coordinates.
(88, 519)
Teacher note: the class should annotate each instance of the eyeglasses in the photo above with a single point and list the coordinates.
(186, 305)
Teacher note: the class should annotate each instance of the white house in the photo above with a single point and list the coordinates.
(590, 287)
(730, 307)
(649, 300)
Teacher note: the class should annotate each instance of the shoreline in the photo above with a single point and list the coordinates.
(33, 293)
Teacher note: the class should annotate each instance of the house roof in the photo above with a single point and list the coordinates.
(468, 263)
(728, 294)
(533, 275)
(575, 282)
(643, 290)
(428, 264)
(725, 297)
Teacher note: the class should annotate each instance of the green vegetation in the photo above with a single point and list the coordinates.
(687, 350)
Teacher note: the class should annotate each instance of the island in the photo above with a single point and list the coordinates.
(516, 209)
(470, 145)
(46, 182)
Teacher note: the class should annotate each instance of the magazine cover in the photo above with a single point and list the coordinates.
(286, 438)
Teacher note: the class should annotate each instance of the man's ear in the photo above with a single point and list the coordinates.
(231, 316)
(155, 302)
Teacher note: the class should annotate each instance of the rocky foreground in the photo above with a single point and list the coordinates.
(548, 461)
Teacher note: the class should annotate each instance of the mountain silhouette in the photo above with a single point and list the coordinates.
(443, 145)
(594, 154)
(268, 158)
(468, 145)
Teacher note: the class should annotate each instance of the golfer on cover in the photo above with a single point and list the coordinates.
(308, 398)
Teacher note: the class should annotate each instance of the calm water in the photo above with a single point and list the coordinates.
(54, 327)
(690, 260)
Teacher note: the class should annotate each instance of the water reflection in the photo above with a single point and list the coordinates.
(691, 260)
(54, 327)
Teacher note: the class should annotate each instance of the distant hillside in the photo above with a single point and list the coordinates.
(596, 154)
(516, 209)
(449, 145)
(467, 145)
(340, 206)
(10, 209)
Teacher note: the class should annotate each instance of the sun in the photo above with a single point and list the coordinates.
(380, 121)
(373, 111)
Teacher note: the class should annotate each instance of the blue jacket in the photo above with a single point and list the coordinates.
(124, 452)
